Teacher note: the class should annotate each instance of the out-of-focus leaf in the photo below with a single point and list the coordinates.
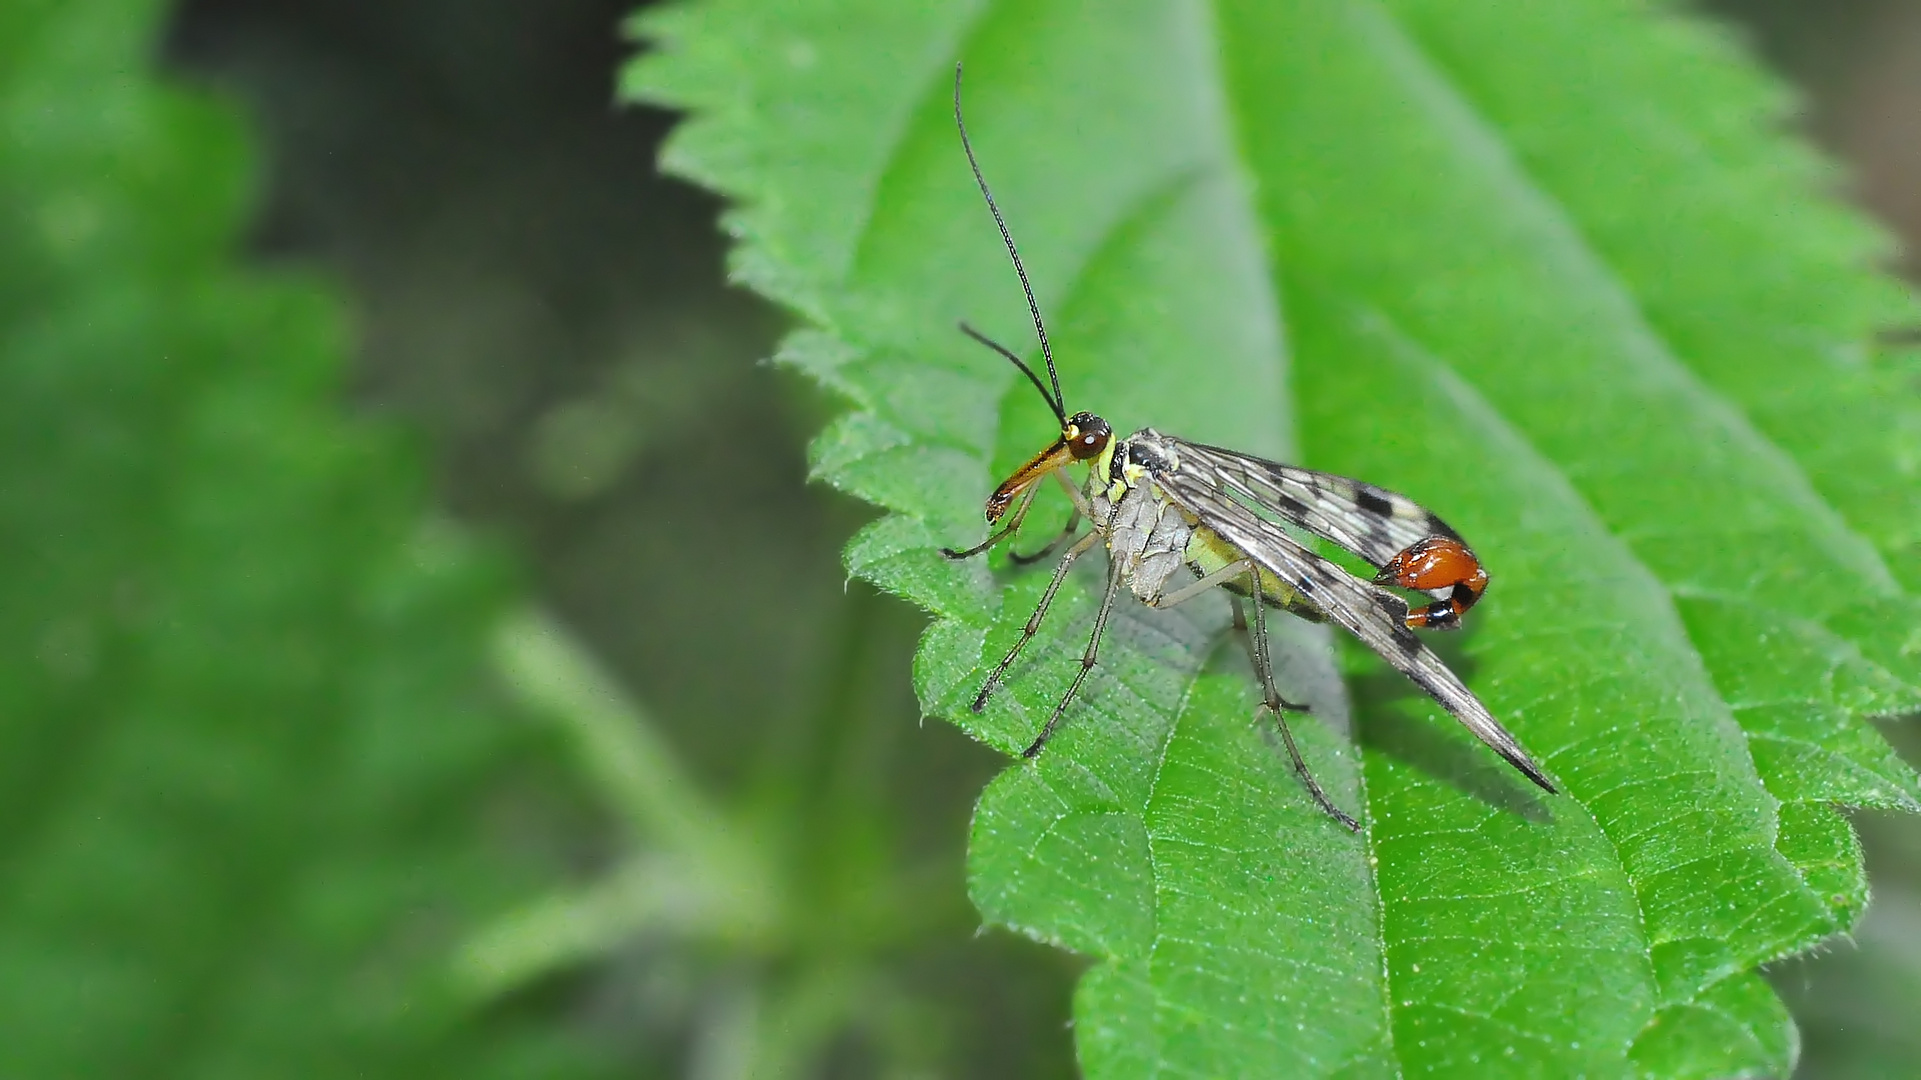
(244, 735)
(1856, 1002)
(1541, 266)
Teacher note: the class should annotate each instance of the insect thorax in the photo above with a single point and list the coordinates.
(1152, 537)
(1140, 455)
(1147, 534)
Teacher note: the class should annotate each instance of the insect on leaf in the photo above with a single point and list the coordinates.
(1545, 268)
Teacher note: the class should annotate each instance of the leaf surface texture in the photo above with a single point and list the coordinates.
(1545, 269)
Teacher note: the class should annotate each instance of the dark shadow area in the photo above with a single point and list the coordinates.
(1385, 708)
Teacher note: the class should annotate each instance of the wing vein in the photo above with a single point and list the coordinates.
(1371, 613)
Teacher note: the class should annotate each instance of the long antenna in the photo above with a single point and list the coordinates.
(1040, 328)
(1059, 413)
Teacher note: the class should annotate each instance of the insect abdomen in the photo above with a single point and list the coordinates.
(1208, 552)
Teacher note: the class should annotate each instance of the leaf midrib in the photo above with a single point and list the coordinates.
(1620, 867)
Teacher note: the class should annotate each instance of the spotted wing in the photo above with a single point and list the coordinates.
(1369, 612)
(1372, 522)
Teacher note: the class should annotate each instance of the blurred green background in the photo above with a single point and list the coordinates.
(426, 655)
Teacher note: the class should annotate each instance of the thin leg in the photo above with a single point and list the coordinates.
(1188, 592)
(1034, 621)
(1263, 667)
(1200, 585)
(1246, 634)
(1066, 534)
(1081, 506)
(1087, 658)
(1013, 522)
(1081, 510)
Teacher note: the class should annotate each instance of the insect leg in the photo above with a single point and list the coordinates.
(1034, 621)
(1207, 581)
(1081, 510)
(1066, 534)
(1081, 505)
(1264, 668)
(1014, 522)
(1246, 633)
(1087, 658)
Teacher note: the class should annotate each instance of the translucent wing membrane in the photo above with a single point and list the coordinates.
(1372, 522)
(1374, 615)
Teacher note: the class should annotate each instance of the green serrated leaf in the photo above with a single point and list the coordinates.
(1544, 268)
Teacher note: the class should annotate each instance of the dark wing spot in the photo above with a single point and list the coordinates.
(1290, 506)
(1437, 527)
(1374, 502)
(1305, 586)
